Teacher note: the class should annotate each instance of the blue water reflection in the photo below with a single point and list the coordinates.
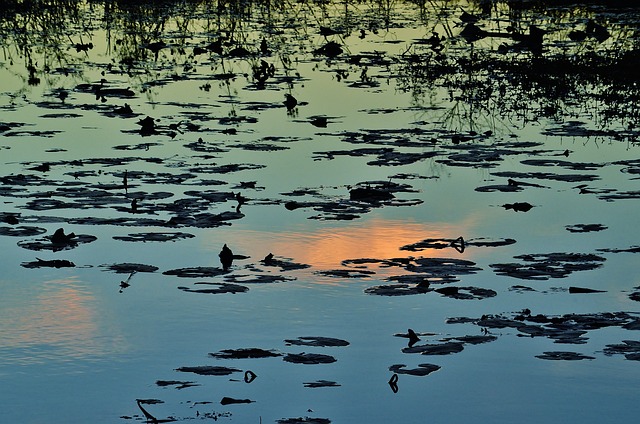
(443, 136)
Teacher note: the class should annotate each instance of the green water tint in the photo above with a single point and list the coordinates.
(270, 197)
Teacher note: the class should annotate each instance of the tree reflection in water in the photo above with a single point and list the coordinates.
(477, 52)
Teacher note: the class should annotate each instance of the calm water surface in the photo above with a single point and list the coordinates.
(76, 347)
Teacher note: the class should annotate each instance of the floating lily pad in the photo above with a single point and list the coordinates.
(179, 384)
(196, 272)
(629, 348)
(258, 278)
(48, 244)
(548, 265)
(321, 383)
(397, 290)
(585, 228)
(564, 356)
(217, 288)
(209, 370)
(145, 237)
(285, 264)
(252, 352)
(21, 231)
(473, 339)
(316, 341)
(303, 420)
(54, 263)
(575, 290)
(445, 348)
(466, 293)
(443, 243)
(421, 371)
(309, 358)
(346, 273)
(128, 268)
(229, 401)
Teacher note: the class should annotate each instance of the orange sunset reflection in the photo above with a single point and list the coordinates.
(59, 322)
(327, 247)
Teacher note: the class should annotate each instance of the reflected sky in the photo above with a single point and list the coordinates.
(391, 118)
(54, 321)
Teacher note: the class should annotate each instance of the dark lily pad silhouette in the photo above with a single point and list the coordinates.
(303, 420)
(564, 329)
(518, 206)
(564, 356)
(421, 371)
(54, 263)
(216, 288)
(309, 358)
(258, 278)
(179, 384)
(50, 243)
(629, 348)
(321, 383)
(548, 265)
(584, 290)
(571, 178)
(196, 272)
(445, 348)
(145, 237)
(128, 268)
(243, 353)
(585, 228)
(285, 264)
(473, 339)
(635, 295)
(229, 401)
(632, 249)
(316, 341)
(345, 273)
(398, 289)
(466, 293)
(21, 231)
(443, 243)
(209, 370)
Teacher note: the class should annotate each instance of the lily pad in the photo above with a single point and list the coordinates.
(316, 341)
(421, 371)
(252, 352)
(309, 358)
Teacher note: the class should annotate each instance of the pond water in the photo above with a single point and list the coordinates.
(479, 187)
